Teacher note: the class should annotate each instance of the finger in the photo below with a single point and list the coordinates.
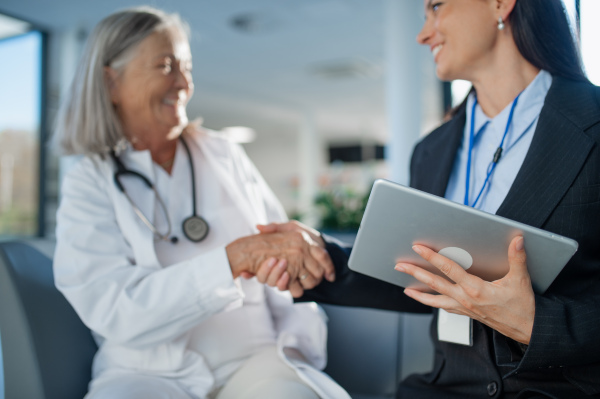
(267, 228)
(448, 267)
(277, 227)
(296, 289)
(308, 281)
(246, 275)
(436, 301)
(312, 274)
(276, 272)
(283, 281)
(435, 282)
(264, 269)
(517, 258)
(324, 261)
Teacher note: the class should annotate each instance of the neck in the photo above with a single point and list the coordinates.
(162, 147)
(502, 80)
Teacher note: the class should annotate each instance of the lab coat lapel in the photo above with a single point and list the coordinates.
(220, 157)
(557, 153)
(252, 184)
(144, 199)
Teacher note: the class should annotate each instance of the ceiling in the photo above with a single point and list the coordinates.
(266, 64)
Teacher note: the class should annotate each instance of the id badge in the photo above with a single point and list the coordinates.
(455, 328)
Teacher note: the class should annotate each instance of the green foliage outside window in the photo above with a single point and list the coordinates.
(341, 209)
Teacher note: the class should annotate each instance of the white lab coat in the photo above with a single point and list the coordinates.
(141, 313)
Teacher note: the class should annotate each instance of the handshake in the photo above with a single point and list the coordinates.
(290, 256)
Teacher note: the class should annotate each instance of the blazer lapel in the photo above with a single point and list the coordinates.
(436, 164)
(557, 153)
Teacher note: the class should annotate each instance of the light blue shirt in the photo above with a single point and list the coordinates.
(487, 140)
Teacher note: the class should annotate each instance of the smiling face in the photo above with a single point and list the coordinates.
(462, 36)
(151, 92)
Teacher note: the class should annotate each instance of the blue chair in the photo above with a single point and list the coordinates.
(370, 351)
(47, 351)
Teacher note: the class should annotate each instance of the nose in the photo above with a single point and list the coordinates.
(426, 32)
(183, 79)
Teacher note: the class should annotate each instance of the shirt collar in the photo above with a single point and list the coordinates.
(527, 110)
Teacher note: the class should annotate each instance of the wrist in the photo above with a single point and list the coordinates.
(236, 258)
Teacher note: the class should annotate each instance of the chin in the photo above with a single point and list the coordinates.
(443, 74)
(178, 122)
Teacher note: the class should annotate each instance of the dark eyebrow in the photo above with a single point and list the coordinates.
(429, 4)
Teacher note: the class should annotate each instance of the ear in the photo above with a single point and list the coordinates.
(504, 8)
(112, 81)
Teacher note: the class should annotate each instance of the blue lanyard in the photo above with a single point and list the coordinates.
(497, 154)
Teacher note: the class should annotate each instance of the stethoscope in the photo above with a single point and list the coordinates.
(194, 227)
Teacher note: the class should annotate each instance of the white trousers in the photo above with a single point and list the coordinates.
(263, 376)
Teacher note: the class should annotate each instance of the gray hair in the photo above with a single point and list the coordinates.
(87, 122)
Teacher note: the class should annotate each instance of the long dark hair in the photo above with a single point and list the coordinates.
(542, 35)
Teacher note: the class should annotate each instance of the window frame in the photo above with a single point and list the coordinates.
(43, 135)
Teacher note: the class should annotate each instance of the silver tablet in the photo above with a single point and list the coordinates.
(397, 217)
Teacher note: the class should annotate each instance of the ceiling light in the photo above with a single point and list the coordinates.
(12, 27)
(346, 69)
(252, 23)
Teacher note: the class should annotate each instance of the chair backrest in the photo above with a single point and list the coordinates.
(47, 350)
(370, 351)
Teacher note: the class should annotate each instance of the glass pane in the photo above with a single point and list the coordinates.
(590, 32)
(571, 9)
(460, 89)
(20, 80)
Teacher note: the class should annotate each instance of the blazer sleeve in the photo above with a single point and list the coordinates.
(566, 328)
(354, 289)
(95, 269)
(565, 337)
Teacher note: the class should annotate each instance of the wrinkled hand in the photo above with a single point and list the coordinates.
(274, 271)
(292, 225)
(506, 305)
(288, 256)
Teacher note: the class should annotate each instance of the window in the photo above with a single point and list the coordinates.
(21, 122)
(590, 31)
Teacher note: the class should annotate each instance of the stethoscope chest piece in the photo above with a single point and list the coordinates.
(195, 228)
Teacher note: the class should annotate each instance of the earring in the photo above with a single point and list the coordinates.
(500, 23)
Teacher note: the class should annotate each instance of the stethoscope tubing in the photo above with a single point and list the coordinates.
(122, 171)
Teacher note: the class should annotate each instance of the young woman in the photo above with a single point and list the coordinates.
(531, 99)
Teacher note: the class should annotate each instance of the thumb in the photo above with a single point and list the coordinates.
(517, 258)
(246, 275)
(267, 228)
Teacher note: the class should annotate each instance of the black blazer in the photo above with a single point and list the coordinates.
(557, 189)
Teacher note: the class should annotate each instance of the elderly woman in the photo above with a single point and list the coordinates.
(156, 225)
(523, 63)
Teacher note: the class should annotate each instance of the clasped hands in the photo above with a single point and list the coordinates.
(507, 305)
(287, 255)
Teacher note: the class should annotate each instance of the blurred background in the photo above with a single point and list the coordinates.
(325, 95)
